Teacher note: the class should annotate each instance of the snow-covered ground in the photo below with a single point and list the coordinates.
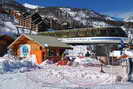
(24, 81)
(53, 77)
(46, 76)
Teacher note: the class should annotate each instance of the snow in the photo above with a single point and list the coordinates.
(31, 6)
(46, 76)
(93, 14)
(64, 77)
(82, 14)
(86, 60)
(70, 76)
(13, 65)
(26, 31)
(77, 50)
(117, 53)
(8, 26)
(129, 19)
(56, 77)
(5, 17)
(129, 31)
(110, 18)
(100, 24)
(61, 77)
(83, 17)
(72, 13)
(123, 28)
(78, 16)
(51, 16)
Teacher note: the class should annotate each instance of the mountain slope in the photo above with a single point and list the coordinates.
(12, 4)
(76, 18)
(66, 18)
(129, 19)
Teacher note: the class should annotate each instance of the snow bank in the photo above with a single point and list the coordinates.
(12, 65)
(8, 27)
(86, 60)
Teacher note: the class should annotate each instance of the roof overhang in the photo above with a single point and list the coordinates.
(46, 45)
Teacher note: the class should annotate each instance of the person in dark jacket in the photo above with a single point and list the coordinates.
(130, 68)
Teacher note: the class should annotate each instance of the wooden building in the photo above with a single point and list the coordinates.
(34, 22)
(5, 41)
(31, 21)
(16, 14)
(41, 47)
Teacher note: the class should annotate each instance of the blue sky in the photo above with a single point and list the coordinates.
(115, 8)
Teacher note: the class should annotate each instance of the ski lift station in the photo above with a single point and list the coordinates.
(109, 35)
(100, 44)
(100, 40)
(94, 40)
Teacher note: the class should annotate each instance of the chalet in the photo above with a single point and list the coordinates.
(5, 40)
(41, 47)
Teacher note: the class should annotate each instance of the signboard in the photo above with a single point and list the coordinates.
(25, 50)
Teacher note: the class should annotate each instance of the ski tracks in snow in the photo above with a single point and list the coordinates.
(70, 77)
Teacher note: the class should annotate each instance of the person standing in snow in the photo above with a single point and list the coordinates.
(102, 56)
(130, 68)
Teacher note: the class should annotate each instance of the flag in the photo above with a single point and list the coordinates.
(122, 45)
